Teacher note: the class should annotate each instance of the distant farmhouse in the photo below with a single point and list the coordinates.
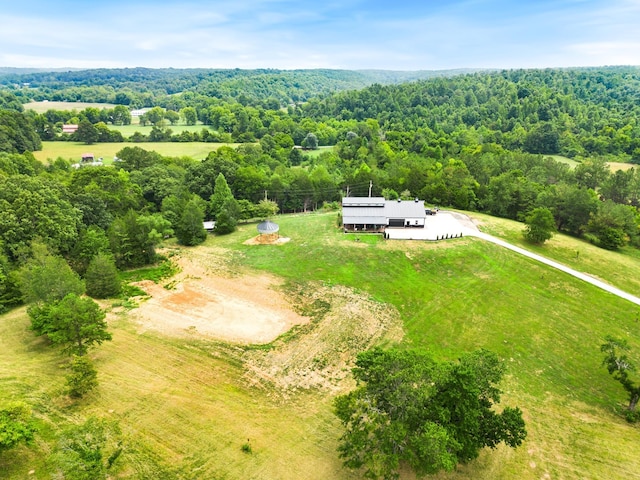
(375, 214)
(139, 112)
(69, 128)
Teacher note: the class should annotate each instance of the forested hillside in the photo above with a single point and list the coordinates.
(569, 112)
(144, 87)
(478, 142)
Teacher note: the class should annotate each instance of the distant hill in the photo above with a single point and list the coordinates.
(24, 71)
(143, 86)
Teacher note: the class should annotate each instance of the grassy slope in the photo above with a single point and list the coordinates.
(186, 410)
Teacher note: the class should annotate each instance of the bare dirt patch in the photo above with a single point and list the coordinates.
(313, 331)
(200, 301)
(267, 240)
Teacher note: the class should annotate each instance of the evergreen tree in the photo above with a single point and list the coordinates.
(102, 279)
(227, 219)
(221, 194)
(83, 377)
(190, 230)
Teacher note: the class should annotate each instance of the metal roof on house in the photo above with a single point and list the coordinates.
(363, 215)
(363, 202)
(404, 209)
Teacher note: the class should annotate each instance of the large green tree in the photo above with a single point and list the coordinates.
(102, 278)
(10, 294)
(87, 132)
(409, 410)
(47, 278)
(221, 194)
(33, 207)
(74, 322)
(133, 238)
(82, 378)
(190, 230)
(17, 133)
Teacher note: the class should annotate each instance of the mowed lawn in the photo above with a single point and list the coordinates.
(73, 151)
(185, 407)
(128, 130)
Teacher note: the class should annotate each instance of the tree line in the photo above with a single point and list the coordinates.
(581, 112)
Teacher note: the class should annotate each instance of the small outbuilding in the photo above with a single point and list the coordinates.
(268, 228)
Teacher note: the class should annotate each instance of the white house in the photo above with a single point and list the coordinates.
(375, 214)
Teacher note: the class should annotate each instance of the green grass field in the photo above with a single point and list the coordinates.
(614, 166)
(569, 161)
(128, 130)
(73, 150)
(185, 406)
(41, 107)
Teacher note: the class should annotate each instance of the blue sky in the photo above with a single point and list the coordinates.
(346, 34)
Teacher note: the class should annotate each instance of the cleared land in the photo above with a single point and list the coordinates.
(187, 403)
(73, 150)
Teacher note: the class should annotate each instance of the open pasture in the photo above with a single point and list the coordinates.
(187, 405)
(73, 150)
(128, 130)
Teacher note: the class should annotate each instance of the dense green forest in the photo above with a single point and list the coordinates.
(145, 87)
(478, 141)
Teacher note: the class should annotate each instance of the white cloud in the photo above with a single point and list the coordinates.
(607, 53)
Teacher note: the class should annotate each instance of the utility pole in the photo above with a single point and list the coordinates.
(370, 187)
(347, 190)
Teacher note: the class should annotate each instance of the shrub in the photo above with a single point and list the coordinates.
(83, 377)
(102, 279)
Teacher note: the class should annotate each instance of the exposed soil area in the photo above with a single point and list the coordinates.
(202, 301)
(313, 331)
(320, 354)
